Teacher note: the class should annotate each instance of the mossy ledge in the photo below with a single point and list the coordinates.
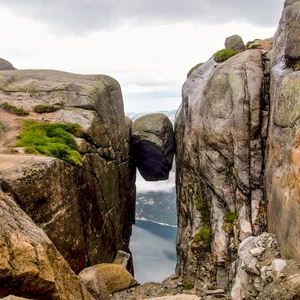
(51, 139)
(14, 110)
(223, 55)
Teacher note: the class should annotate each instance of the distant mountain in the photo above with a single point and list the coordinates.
(159, 207)
(170, 114)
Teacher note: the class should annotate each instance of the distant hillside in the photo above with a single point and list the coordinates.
(170, 114)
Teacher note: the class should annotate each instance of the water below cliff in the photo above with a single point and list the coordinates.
(153, 250)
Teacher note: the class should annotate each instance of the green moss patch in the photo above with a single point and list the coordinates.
(229, 219)
(187, 285)
(204, 235)
(192, 69)
(14, 110)
(202, 207)
(223, 55)
(51, 140)
(40, 109)
(2, 127)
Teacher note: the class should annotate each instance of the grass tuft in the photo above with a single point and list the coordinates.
(204, 235)
(40, 109)
(51, 140)
(14, 110)
(2, 127)
(223, 55)
(229, 219)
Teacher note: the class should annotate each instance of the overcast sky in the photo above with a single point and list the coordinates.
(147, 45)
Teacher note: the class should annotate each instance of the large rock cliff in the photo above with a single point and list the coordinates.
(87, 210)
(220, 136)
(283, 157)
(237, 137)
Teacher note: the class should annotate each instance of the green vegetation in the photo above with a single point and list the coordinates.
(40, 109)
(187, 285)
(51, 139)
(229, 219)
(192, 69)
(223, 55)
(2, 127)
(296, 65)
(201, 205)
(14, 110)
(204, 235)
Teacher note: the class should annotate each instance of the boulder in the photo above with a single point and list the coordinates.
(10, 297)
(86, 210)
(153, 145)
(94, 283)
(115, 277)
(30, 265)
(5, 65)
(235, 42)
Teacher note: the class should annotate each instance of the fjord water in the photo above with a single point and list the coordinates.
(153, 250)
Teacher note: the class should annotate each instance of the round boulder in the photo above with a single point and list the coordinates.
(235, 42)
(153, 146)
(115, 277)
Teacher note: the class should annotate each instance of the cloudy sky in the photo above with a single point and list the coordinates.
(147, 45)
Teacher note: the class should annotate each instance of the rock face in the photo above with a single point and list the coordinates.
(6, 65)
(30, 265)
(235, 42)
(219, 137)
(238, 161)
(283, 155)
(87, 211)
(153, 145)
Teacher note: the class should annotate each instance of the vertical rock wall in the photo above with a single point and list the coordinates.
(283, 152)
(87, 211)
(220, 130)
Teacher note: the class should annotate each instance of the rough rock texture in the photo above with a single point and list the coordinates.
(10, 297)
(220, 130)
(260, 274)
(266, 44)
(178, 297)
(235, 42)
(283, 155)
(153, 146)
(86, 211)
(94, 283)
(30, 265)
(115, 277)
(6, 65)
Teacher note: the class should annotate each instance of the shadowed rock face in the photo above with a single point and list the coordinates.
(30, 265)
(87, 211)
(283, 155)
(153, 145)
(219, 137)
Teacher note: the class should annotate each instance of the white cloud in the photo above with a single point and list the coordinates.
(143, 186)
(150, 61)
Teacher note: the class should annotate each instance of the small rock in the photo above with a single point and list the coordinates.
(257, 251)
(122, 258)
(215, 292)
(278, 266)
